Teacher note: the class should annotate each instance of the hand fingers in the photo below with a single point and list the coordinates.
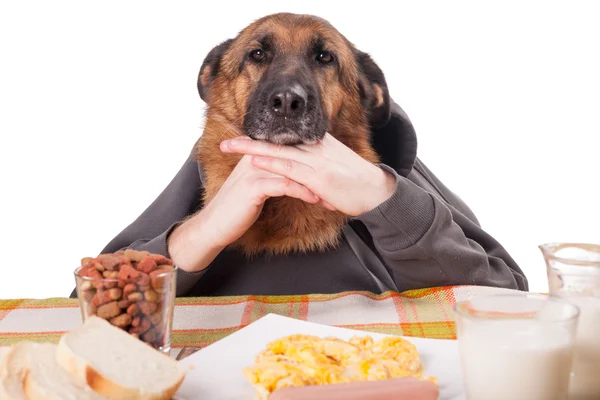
(278, 187)
(262, 148)
(327, 205)
(246, 168)
(294, 170)
(327, 141)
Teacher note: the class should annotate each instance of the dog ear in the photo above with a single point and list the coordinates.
(373, 90)
(210, 67)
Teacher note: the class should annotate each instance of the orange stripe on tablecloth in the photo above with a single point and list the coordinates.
(290, 311)
(447, 318)
(27, 306)
(416, 314)
(261, 310)
(247, 314)
(44, 333)
(303, 309)
(400, 308)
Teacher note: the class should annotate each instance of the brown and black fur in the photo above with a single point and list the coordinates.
(349, 96)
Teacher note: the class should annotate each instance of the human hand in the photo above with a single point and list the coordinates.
(236, 206)
(343, 180)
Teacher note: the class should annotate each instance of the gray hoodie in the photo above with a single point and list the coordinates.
(423, 236)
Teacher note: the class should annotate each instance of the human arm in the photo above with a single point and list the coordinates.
(414, 221)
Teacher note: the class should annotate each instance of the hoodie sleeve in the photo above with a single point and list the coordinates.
(180, 199)
(425, 223)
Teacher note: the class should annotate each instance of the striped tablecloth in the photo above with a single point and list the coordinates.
(199, 322)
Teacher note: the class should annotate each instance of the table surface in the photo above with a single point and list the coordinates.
(200, 321)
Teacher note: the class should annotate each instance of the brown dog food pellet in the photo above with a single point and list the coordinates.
(143, 280)
(135, 255)
(85, 286)
(115, 293)
(121, 320)
(151, 295)
(110, 274)
(110, 261)
(110, 285)
(98, 266)
(124, 304)
(156, 318)
(147, 265)
(128, 273)
(101, 297)
(159, 281)
(135, 296)
(143, 324)
(109, 310)
(85, 261)
(133, 309)
(159, 259)
(129, 288)
(147, 307)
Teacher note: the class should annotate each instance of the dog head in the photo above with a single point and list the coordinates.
(290, 78)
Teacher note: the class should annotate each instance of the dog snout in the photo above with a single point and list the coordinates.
(289, 101)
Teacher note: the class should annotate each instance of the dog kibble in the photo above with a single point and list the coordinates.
(110, 274)
(110, 284)
(135, 296)
(147, 307)
(151, 295)
(87, 285)
(133, 309)
(115, 293)
(127, 289)
(147, 265)
(121, 321)
(136, 256)
(109, 310)
(155, 318)
(124, 303)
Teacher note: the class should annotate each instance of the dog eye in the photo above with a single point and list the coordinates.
(324, 57)
(257, 55)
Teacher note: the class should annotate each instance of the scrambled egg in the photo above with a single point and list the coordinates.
(301, 360)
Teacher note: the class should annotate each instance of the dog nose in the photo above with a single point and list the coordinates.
(288, 102)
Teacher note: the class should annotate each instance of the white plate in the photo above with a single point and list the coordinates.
(216, 370)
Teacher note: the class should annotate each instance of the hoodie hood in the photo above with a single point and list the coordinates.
(396, 141)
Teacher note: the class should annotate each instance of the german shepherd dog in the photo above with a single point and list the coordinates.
(288, 79)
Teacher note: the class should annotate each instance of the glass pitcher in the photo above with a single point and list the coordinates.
(574, 274)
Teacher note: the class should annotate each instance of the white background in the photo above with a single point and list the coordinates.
(98, 110)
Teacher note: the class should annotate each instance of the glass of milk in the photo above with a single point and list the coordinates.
(574, 275)
(516, 346)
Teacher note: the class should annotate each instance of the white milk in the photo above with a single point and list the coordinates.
(585, 382)
(499, 364)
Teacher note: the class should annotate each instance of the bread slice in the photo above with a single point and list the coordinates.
(13, 366)
(4, 350)
(116, 364)
(46, 380)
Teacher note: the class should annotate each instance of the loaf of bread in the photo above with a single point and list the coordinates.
(46, 380)
(116, 364)
(96, 361)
